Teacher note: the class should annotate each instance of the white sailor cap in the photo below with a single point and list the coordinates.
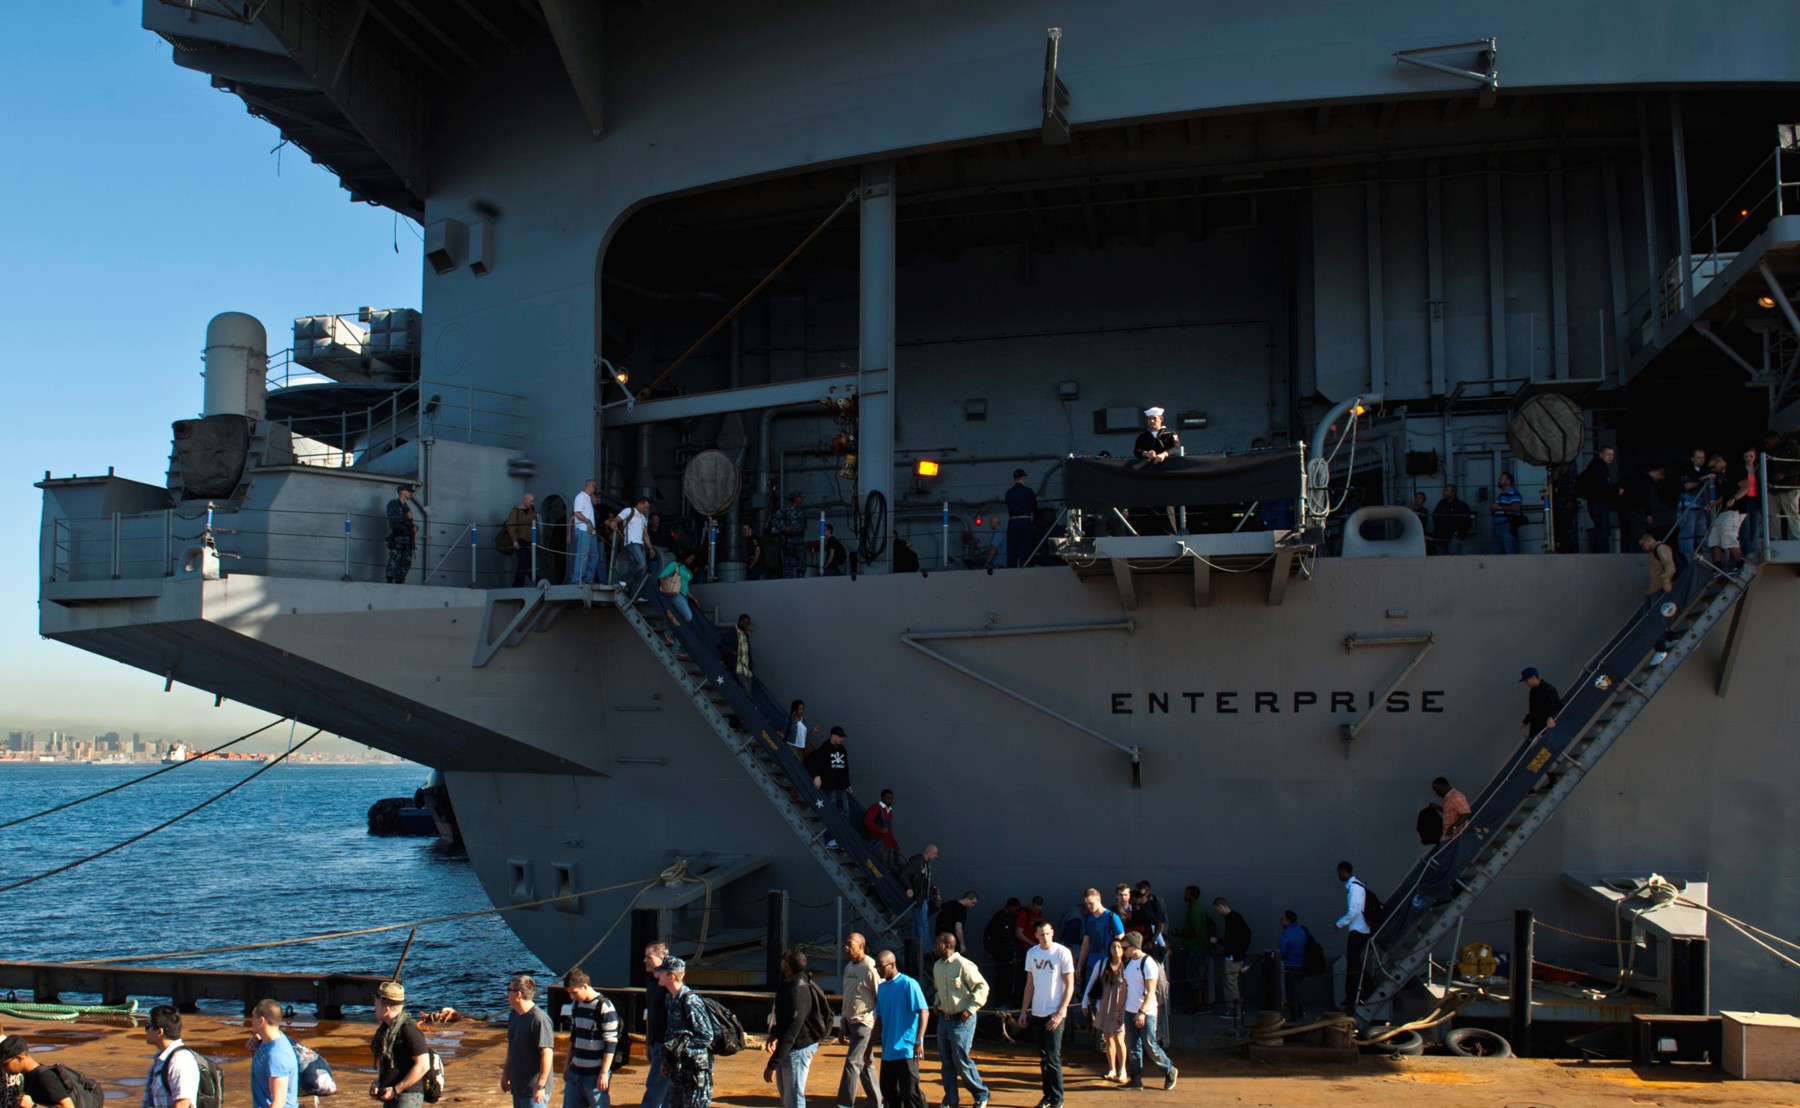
(1153, 413)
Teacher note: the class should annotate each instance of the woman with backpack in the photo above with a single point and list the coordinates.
(1104, 1003)
(687, 1046)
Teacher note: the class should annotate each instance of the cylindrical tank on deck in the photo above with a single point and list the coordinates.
(237, 365)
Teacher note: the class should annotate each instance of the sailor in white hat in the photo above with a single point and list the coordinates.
(1156, 445)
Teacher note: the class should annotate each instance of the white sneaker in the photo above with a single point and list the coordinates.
(1656, 659)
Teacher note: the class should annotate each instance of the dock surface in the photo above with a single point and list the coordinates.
(118, 1057)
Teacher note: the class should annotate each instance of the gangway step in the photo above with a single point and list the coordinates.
(750, 724)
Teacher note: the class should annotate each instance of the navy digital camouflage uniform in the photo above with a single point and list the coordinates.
(789, 524)
(399, 542)
(687, 1051)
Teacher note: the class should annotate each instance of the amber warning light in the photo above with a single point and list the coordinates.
(926, 468)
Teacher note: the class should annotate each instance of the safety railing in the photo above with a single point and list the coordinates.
(346, 546)
(1764, 195)
(455, 413)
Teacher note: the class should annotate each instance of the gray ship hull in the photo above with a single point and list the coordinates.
(576, 762)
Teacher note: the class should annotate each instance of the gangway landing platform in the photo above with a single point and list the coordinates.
(1124, 557)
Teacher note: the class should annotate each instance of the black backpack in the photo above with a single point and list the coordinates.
(1430, 825)
(83, 1090)
(211, 1093)
(1312, 956)
(727, 1032)
(1374, 911)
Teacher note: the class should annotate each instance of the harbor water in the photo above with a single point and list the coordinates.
(285, 856)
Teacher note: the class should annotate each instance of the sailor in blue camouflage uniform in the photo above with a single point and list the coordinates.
(401, 533)
(789, 525)
(687, 1046)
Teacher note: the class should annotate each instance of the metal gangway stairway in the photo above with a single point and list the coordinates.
(1612, 688)
(751, 724)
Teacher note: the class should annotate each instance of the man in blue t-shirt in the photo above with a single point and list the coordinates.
(900, 1014)
(275, 1067)
(1099, 927)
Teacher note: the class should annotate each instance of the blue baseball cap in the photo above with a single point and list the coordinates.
(1528, 673)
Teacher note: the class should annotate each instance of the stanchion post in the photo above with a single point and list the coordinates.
(474, 549)
(821, 542)
(778, 934)
(1764, 495)
(1523, 955)
(946, 559)
(534, 549)
(346, 546)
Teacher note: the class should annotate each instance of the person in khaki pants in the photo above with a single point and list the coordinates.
(860, 983)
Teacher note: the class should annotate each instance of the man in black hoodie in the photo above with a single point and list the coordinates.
(829, 764)
(800, 1022)
(1233, 945)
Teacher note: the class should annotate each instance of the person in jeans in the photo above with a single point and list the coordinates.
(634, 557)
(1509, 515)
(586, 568)
(1049, 986)
(861, 980)
(401, 1056)
(593, 1041)
(799, 1020)
(683, 571)
(530, 1046)
(1693, 504)
(961, 991)
(1141, 977)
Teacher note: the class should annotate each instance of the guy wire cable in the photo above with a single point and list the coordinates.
(166, 823)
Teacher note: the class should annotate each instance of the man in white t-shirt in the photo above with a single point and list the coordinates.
(1142, 977)
(586, 567)
(1049, 985)
(635, 555)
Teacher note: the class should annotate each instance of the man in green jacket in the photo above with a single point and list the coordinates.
(1195, 952)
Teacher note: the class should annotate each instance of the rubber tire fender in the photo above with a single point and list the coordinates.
(1475, 1042)
(1407, 1044)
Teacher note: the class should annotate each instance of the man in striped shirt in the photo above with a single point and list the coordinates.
(1509, 516)
(593, 1040)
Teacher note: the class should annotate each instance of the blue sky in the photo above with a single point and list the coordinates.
(140, 202)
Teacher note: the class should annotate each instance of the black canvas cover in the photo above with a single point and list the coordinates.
(1100, 483)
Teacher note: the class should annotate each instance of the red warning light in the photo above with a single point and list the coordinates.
(978, 521)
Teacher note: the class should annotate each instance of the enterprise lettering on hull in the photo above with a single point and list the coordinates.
(1274, 703)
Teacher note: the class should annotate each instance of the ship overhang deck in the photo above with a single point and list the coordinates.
(205, 633)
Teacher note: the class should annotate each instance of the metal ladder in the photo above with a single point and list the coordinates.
(750, 724)
(1612, 689)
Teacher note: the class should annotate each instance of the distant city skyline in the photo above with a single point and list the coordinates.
(144, 203)
(142, 746)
